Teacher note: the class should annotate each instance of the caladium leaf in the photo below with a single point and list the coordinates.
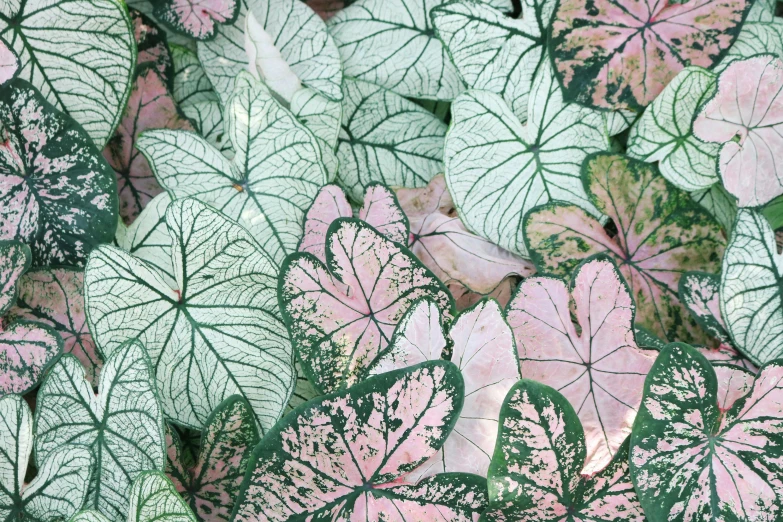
(267, 187)
(216, 334)
(153, 498)
(755, 38)
(9, 63)
(726, 354)
(534, 475)
(382, 210)
(122, 424)
(746, 122)
(303, 391)
(497, 169)
(734, 382)
(718, 203)
(211, 486)
(661, 233)
(323, 117)
(80, 56)
(57, 194)
(599, 369)
(298, 34)
(386, 138)
(699, 292)
(465, 262)
(152, 45)
(751, 299)
(345, 457)
(761, 11)
(663, 133)
(55, 297)
(15, 258)
(26, 351)
(265, 61)
(342, 318)
(612, 55)
(88, 515)
(197, 19)
(690, 460)
(60, 486)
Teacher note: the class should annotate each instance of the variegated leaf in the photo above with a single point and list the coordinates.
(152, 45)
(303, 391)
(267, 187)
(323, 117)
(27, 349)
(617, 55)
(153, 498)
(535, 470)
(57, 194)
(341, 316)
(699, 293)
(197, 19)
(734, 382)
(345, 457)
(15, 258)
(756, 37)
(718, 203)
(265, 61)
(382, 210)
(693, 461)
(80, 55)
(211, 486)
(215, 334)
(122, 425)
(497, 169)
(661, 233)
(386, 138)
(88, 515)
(599, 368)
(9, 63)
(60, 485)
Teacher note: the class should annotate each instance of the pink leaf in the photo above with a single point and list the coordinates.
(600, 370)
(152, 46)
(725, 353)
(382, 211)
(746, 116)
(616, 54)
(196, 18)
(15, 258)
(26, 350)
(9, 63)
(733, 382)
(329, 205)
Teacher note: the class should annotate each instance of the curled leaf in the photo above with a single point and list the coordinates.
(266, 62)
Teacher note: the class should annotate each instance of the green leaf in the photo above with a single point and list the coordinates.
(386, 138)
(345, 456)
(497, 169)
(15, 258)
(699, 293)
(719, 204)
(88, 515)
(270, 183)
(59, 194)
(760, 11)
(751, 289)
(153, 498)
(758, 37)
(534, 474)
(215, 334)
(79, 54)
(212, 485)
(122, 424)
(323, 117)
(60, 486)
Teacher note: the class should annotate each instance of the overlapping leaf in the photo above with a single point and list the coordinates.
(197, 19)
(57, 194)
(216, 334)
(745, 117)
(341, 316)
(323, 117)
(15, 259)
(152, 45)
(497, 169)
(598, 368)
(9, 63)
(718, 203)
(535, 470)
(699, 292)
(345, 457)
(751, 299)
(122, 425)
(211, 486)
(267, 187)
(298, 34)
(265, 61)
(615, 55)
(661, 233)
(60, 486)
(387, 139)
(756, 37)
(734, 382)
(80, 55)
(690, 460)
(153, 498)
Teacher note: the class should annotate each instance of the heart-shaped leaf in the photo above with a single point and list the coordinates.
(323, 117)
(271, 181)
(345, 456)
(691, 460)
(497, 169)
(216, 334)
(382, 210)
(15, 259)
(661, 233)
(751, 295)
(493, 52)
(534, 475)
(54, 297)
(616, 55)
(58, 194)
(211, 486)
(153, 498)
(598, 368)
(9, 63)
(341, 318)
(80, 55)
(122, 424)
(466, 263)
(482, 347)
(298, 34)
(60, 486)
(197, 19)
(747, 122)
(387, 139)
(663, 133)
